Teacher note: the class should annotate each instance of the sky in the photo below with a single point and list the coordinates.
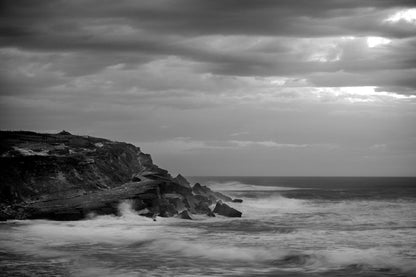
(220, 87)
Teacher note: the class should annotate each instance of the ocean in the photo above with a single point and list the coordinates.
(291, 226)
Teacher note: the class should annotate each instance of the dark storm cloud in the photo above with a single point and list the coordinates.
(266, 17)
(96, 34)
(218, 86)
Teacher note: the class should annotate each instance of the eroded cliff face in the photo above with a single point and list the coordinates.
(38, 166)
(67, 177)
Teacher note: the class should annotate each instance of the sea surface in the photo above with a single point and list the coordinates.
(291, 226)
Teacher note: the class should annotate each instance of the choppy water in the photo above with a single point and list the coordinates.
(290, 227)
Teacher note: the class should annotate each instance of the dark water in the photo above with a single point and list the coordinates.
(290, 227)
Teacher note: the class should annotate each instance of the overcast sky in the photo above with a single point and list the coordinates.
(220, 87)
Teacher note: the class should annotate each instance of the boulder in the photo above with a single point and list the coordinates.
(172, 187)
(225, 210)
(191, 203)
(211, 195)
(197, 204)
(182, 181)
(237, 200)
(202, 199)
(176, 200)
(184, 215)
(210, 213)
(163, 208)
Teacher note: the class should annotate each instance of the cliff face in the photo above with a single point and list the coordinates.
(66, 177)
(38, 166)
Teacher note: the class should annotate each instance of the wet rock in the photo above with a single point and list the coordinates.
(163, 208)
(4, 216)
(141, 195)
(210, 213)
(237, 200)
(225, 210)
(191, 203)
(176, 200)
(154, 216)
(184, 215)
(203, 199)
(182, 181)
(211, 195)
(171, 187)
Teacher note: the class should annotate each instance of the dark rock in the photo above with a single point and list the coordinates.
(103, 202)
(41, 166)
(137, 177)
(4, 216)
(182, 181)
(211, 214)
(184, 215)
(203, 199)
(203, 208)
(225, 210)
(138, 204)
(237, 200)
(68, 177)
(211, 195)
(150, 170)
(197, 204)
(176, 200)
(154, 216)
(172, 187)
(163, 207)
(146, 212)
(191, 203)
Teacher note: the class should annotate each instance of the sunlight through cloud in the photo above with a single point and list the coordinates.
(405, 15)
(376, 41)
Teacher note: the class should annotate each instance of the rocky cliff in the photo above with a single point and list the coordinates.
(66, 177)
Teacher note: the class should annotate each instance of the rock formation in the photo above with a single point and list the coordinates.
(182, 181)
(66, 177)
(208, 193)
(225, 210)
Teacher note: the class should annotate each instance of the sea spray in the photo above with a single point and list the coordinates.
(277, 236)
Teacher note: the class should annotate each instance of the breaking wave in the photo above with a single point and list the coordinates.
(350, 237)
(238, 186)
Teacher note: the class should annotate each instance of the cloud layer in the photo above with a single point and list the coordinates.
(291, 77)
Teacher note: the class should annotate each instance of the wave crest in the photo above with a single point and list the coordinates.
(239, 186)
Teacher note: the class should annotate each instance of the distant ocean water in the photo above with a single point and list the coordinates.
(291, 226)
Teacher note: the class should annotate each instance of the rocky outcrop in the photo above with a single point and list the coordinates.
(66, 177)
(185, 215)
(141, 195)
(41, 166)
(182, 181)
(225, 210)
(213, 196)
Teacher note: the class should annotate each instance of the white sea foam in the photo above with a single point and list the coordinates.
(378, 257)
(218, 252)
(311, 260)
(323, 238)
(238, 186)
(258, 208)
